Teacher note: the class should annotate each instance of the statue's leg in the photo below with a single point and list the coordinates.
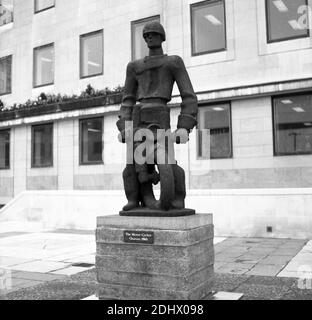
(132, 187)
(180, 189)
(146, 186)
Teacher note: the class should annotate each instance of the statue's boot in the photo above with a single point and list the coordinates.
(132, 188)
(180, 189)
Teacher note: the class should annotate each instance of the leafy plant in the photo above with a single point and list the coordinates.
(46, 99)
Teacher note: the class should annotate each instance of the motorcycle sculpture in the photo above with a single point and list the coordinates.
(150, 82)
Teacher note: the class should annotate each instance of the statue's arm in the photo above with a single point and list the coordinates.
(189, 106)
(129, 99)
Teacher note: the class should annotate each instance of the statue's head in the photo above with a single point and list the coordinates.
(154, 34)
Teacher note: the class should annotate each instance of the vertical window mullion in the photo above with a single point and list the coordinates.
(292, 124)
(6, 75)
(42, 145)
(5, 149)
(208, 27)
(91, 54)
(91, 144)
(43, 65)
(215, 132)
(283, 20)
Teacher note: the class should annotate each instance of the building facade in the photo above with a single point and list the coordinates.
(250, 63)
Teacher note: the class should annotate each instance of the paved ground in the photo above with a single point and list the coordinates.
(60, 265)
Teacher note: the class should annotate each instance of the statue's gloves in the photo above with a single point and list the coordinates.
(181, 136)
(186, 123)
(125, 114)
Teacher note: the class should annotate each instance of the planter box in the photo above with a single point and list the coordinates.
(59, 107)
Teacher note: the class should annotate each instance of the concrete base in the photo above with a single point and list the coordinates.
(177, 266)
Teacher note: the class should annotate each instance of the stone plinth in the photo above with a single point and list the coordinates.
(162, 259)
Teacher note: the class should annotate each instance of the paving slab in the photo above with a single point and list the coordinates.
(41, 266)
(43, 277)
(265, 270)
(236, 268)
(275, 260)
(69, 271)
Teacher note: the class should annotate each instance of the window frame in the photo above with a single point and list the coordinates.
(273, 103)
(90, 163)
(3, 58)
(268, 27)
(33, 166)
(9, 166)
(47, 8)
(133, 23)
(34, 66)
(100, 31)
(199, 4)
(207, 105)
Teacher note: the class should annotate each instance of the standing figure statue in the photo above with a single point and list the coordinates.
(148, 89)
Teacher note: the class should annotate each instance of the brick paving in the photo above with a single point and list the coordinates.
(42, 267)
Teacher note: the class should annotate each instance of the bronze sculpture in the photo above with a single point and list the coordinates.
(150, 82)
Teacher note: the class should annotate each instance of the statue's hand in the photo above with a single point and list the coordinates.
(121, 137)
(181, 136)
(125, 135)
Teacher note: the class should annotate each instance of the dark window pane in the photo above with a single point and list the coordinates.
(6, 12)
(4, 149)
(42, 145)
(5, 74)
(284, 19)
(208, 27)
(43, 4)
(44, 65)
(91, 49)
(214, 135)
(139, 47)
(91, 146)
(293, 125)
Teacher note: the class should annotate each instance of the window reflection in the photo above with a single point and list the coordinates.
(4, 149)
(293, 125)
(44, 65)
(6, 12)
(91, 146)
(214, 135)
(42, 145)
(91, 46)
(208, 27)
(5, 75)
(283, 19)
(139, 47)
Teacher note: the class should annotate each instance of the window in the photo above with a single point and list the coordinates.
(292, 125)
(139, 47)
(5, 75)
(215, 132)
(44, 65)
(91, 54)
(42, 145)
(283, 20)
(6, 12)
(208, 27)
(41, 5)
(91, 146)
(5, 149)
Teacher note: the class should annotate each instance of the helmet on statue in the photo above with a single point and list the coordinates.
(155, 27)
